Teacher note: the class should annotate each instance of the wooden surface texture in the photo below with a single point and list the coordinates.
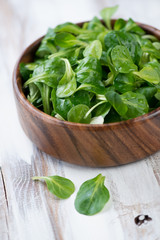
(27, 210)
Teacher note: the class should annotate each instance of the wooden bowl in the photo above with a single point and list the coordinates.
(83, 144)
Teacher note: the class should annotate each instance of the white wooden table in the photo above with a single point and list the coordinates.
(27, 210)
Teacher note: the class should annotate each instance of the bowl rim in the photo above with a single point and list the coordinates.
(17, 86)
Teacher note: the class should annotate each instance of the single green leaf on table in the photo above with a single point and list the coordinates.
(92, 196)
(59, 186)
(107, 13)
(136, 103)
(66, 40)
(122, 60)
(78, 114)
(94, 49)
(67, 85)
(150, 72)
(117, 103)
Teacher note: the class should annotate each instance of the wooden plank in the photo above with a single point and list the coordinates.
(136, 191)
(34, 212)
(37, 214)
(3, 209)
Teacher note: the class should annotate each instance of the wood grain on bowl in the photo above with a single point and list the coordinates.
(83, 144)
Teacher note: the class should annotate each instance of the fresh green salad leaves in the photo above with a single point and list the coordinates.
(59, 186)
(122, 60)
(91, 197)
(95, 73)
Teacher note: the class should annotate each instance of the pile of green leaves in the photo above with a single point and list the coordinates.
(95, 73)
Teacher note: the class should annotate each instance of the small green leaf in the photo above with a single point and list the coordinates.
(48, 72)
(119, 24)
(46, 95)
(67, 85)
(78, 114)
(102, 110)
(148, 92)
(66, 40)
(150, 72)
(59, 186)
(92, 196)
(89, 73)
(96, 25)
(95, 106)
(80, 97)
(115, 100)
(131, 26)
(34, 93)
(122, 60)
(136, 103)
(157, 95)
(68, 27)
(24, 71)
(128, 40)
(124, 82)
(94, 49)
(157, 45)
(47, 46)
(61, 105)
(107, 13)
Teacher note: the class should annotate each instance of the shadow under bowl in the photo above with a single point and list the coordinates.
(104, 145)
